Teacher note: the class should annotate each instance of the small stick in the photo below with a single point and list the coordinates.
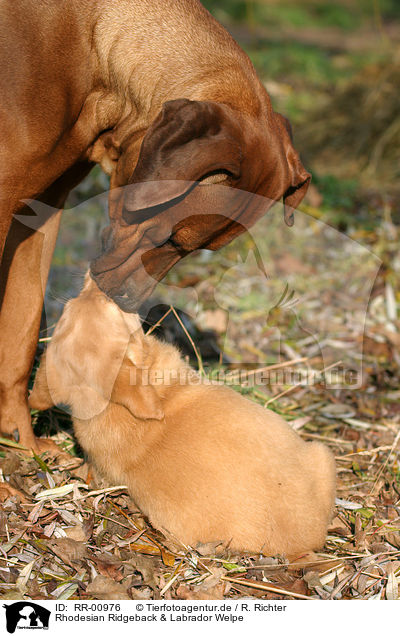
(335, 440)
(158, 323)
(276, 397)
(377, 449)
(103, 491)
(271, 367)
(302, 383)
(168, 585)
(266, 588)
(199, 360)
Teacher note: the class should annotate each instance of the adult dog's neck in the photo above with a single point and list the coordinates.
(147, 52)
(152, 51)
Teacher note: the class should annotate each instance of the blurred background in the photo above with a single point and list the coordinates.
(334, 69)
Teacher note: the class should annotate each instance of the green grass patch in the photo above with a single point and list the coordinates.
(305, 14)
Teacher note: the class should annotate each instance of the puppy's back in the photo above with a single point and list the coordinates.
(264, 471)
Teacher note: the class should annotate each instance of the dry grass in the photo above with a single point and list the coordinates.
(356, 131)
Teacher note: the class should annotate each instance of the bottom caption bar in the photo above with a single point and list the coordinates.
(306, 617)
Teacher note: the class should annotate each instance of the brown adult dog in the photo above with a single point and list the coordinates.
(154, 91)
(200, 460)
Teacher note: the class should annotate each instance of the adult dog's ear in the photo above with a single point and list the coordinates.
(40, 397)
(187, 142)
(300, 178)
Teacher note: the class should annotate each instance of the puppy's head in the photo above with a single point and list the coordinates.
(85, 365)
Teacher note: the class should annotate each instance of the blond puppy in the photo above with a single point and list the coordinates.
(200, 460)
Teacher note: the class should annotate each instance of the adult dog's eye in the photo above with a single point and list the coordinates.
(215, 177)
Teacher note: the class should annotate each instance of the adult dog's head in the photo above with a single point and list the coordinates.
(200, 168)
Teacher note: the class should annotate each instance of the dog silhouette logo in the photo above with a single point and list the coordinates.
(26, 615)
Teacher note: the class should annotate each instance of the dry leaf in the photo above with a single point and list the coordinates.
(393, 538)
(192, 593)
(76, 533)
(146, 567)
(109, 565)
(7, 491)
(104, 588)
(208, 549)
(312, 579)
(70, 551)
(392, 587)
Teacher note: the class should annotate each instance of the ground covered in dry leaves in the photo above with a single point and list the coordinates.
(69, 537)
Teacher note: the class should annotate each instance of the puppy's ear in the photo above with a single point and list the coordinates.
(132, 390)
(40, 397)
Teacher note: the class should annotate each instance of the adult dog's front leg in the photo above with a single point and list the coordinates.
(23, 275)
